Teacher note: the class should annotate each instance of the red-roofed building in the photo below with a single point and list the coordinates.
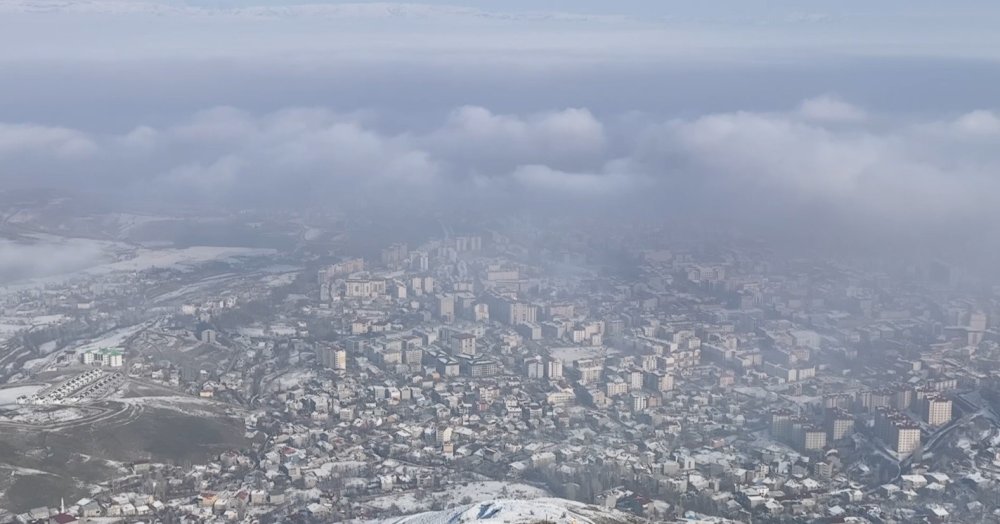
(62, 518)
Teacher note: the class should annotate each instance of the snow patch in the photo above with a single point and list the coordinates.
(8, 396)
(558, 511)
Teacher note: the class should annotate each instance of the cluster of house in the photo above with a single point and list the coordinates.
(699, 387)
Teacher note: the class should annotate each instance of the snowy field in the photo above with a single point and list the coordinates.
(180, 259)
(36, 365)
(574, 353)
(182, 404)
(291, 379)
(196, 287)
(40, 416)
(12, 324)
(9, 330)
(71, 258)
(8, 396)
(253, 332)
(279, 280)
(475, 491)
(116, 338)
(556, 511)
(41, 254)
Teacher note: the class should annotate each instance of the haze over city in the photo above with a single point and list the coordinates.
(444, 261)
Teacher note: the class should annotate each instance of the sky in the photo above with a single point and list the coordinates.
(860, 119)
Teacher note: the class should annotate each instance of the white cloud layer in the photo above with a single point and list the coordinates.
(35, 139)
(830, 108)
(24, 259)
(824, 154)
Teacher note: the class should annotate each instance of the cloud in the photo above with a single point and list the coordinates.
(20, 260)
(822, 158)
(553, 182)
(221, 174)
(34, 139)
(979, 122)
(774, 151)
(477, 139)
(773, 161)
(299, 153)
(217, 125)
(831, 109)
(691, 111)
(229, 154)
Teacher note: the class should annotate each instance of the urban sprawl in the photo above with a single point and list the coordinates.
(670, 382)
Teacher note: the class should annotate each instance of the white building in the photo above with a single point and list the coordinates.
(463, 344)
(333, 357)
(107, 357)
(937, 410)
(553, 368)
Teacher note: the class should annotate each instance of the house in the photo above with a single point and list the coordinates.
(62, 518)
(913, 481)
(41, 513)
(91, 509)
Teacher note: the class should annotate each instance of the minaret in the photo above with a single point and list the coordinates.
(62, 505)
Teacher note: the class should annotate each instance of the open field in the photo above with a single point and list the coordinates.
(91, 446)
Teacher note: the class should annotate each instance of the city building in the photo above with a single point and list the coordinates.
(107, 357)
(463, 344)
(937, 410)
(333, 357)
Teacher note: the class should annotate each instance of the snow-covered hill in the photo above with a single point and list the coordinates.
(545, 510)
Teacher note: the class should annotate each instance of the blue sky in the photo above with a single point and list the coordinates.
(721, 30)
